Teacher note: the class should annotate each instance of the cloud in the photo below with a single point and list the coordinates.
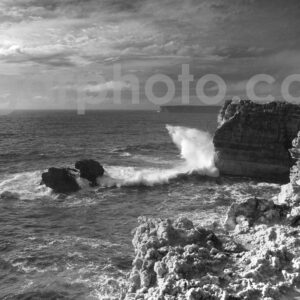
(97, 29)
(64, 38)
(104, 87)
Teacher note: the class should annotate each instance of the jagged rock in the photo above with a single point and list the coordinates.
(253, 210)
(177, 260)
(172, 253)
(289, 194)
(60, 180)
(90, 170)
(253, 140)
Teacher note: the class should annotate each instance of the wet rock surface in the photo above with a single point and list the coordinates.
(90, 170)
(61, 180)
(253, 140)
(64, 180)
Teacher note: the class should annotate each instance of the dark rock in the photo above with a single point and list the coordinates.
(294, 221)
(90, 170)
(253, 140)
(60, 180)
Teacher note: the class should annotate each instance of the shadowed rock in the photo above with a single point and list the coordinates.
(253, 140)
(90, 170)
(254, 210)
(60, 180)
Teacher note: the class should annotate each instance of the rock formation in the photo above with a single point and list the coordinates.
(251, 211)
(63, 180)
(253, 140)
(290, 193)
(90, 170)
(176, 260)
(255, 253)
(60, 180)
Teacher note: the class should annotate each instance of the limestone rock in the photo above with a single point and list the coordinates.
(177, 260)
(253, 140)
(254, 210)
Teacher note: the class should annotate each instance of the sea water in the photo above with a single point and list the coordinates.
(78, 246)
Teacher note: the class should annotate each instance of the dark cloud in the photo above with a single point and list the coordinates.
(234, 38)
(52, 60)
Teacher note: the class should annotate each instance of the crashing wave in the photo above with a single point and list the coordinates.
(196, 149)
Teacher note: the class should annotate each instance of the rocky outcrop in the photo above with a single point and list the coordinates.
(242, 215)
(290, 193)
(253, 140)
(90, 170)
(64, 180)
(255, 253)
(61, 180)
(177, 260)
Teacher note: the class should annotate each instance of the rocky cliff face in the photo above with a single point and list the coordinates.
(177, 260)
(290, 193)
(255, 252)
(253, 140)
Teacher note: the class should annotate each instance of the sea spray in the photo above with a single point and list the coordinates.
(196, 148)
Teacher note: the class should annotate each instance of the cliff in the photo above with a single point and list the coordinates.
(254, 252)
(290, 193)
(253, 140)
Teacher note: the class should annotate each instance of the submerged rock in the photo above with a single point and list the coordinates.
(253, 140)
(90, 170)
(61, 180)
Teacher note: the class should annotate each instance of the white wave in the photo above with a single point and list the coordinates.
(125, 154)
(25, 185)
(196, 148)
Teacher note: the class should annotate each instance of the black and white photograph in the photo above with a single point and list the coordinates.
(149, 150)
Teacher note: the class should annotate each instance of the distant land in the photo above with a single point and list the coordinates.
(190, 108)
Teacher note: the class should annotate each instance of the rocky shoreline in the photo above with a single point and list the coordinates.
(254, 252)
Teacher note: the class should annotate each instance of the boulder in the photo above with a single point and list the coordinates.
(90, 170)
(244, 214)
(253, 140)
(60, 180)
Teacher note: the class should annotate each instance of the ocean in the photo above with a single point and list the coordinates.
(78, 246)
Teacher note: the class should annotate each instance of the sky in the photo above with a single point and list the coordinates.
(58, 54)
